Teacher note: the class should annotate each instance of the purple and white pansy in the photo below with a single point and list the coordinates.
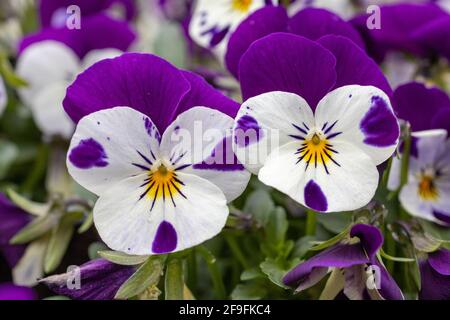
(142, 135)
(319, 141)
(50, 60)
(427, 193)
(355, 268)
(3, 96)
(213, 21)
(435, 276)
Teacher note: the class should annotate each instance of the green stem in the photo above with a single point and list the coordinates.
(405, 166)
(192, 270)
(214, 270)
(311, 222)
(174, 283)
(38, 170)
(234, 246)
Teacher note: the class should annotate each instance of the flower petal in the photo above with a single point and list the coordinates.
(434, 286)
(141, 81)
(199, 143)
(261, 23)
(9, 291)
(346, 181)
(267, 121)
(314, 23)
(417, 104)
(286, 62)
(371, 238)
(348, 56)
(364, 117)
(434, 36)
(104, 150)
(43, 64)
(159, 222)
(440, 261)
(98, 279)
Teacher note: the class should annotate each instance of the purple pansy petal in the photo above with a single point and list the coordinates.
(99, 280)
(141, 81)
(48, 8)
(418, 104)
(353, 65)
(339, 256)
(222, 158)
(389, 289)
(12, 220)
(435, 37)
(371, 238)
(9, 291)
(434, 286)
(290, 63)
(440, 261)
(165, 239)
(203, 94)
(98, 32)
(398, 22)
(314, 23)
(314, 197)
(441, 119)
(89, 153)
(443, 217)
(261, 23)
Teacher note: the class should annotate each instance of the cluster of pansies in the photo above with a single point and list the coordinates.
(275, 143)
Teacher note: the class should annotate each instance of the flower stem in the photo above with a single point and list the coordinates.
(192, 269)
(234, 246)
(174, 283)
(214, 271)
(311, 222)
(37, 171)
(405, 165)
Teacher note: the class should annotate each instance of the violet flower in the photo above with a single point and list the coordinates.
(354, 262)
(435, 275)
(9, 291)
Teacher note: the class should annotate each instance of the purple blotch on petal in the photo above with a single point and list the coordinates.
(379, 125)
(243, 137)
(314, 197)
(88, 154)
(222, 158)
(165, 239)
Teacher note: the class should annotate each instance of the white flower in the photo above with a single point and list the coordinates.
(213, 21)
(153, 198)
(327, 160)
(427, 193)
(49, 67)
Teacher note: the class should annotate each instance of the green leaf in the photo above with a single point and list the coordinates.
(335, 222)
(424, 242)
(260, 205)
(59, 241)
(303, 245)
(95, 248)
(8, 73)
(274, 271)
(277, 226)
(87, 223)
(251, 274)
(330, 242)
(174, 283)
(35, 229)
(249, 291)
(122, 258)
(34, 208)
(147, 275)
(8, 154)
(437, 232)
(56, 298)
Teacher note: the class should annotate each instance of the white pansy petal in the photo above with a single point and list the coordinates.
(412, 202)
(266, 122)
(213, 21)
(3, 96)
(133, 219)
(45, 63)
(361, 115)
(98, 55)
(346, 180)
(394, 174)
(199, 142)
(48, 112)
(104, 150)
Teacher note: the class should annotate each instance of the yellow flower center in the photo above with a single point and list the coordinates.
(241, 5)
(427, 189)
(316, 150)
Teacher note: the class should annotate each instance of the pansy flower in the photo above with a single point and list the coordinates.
(50, 60)
(3, 96)
(435, 275)
(53, 13)
(161, 188)
(311, 23)
(98, 279)
(427, 192)
(332, 132)
(354, 267)
(343, 8)
(9, 291)
(213, 21)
